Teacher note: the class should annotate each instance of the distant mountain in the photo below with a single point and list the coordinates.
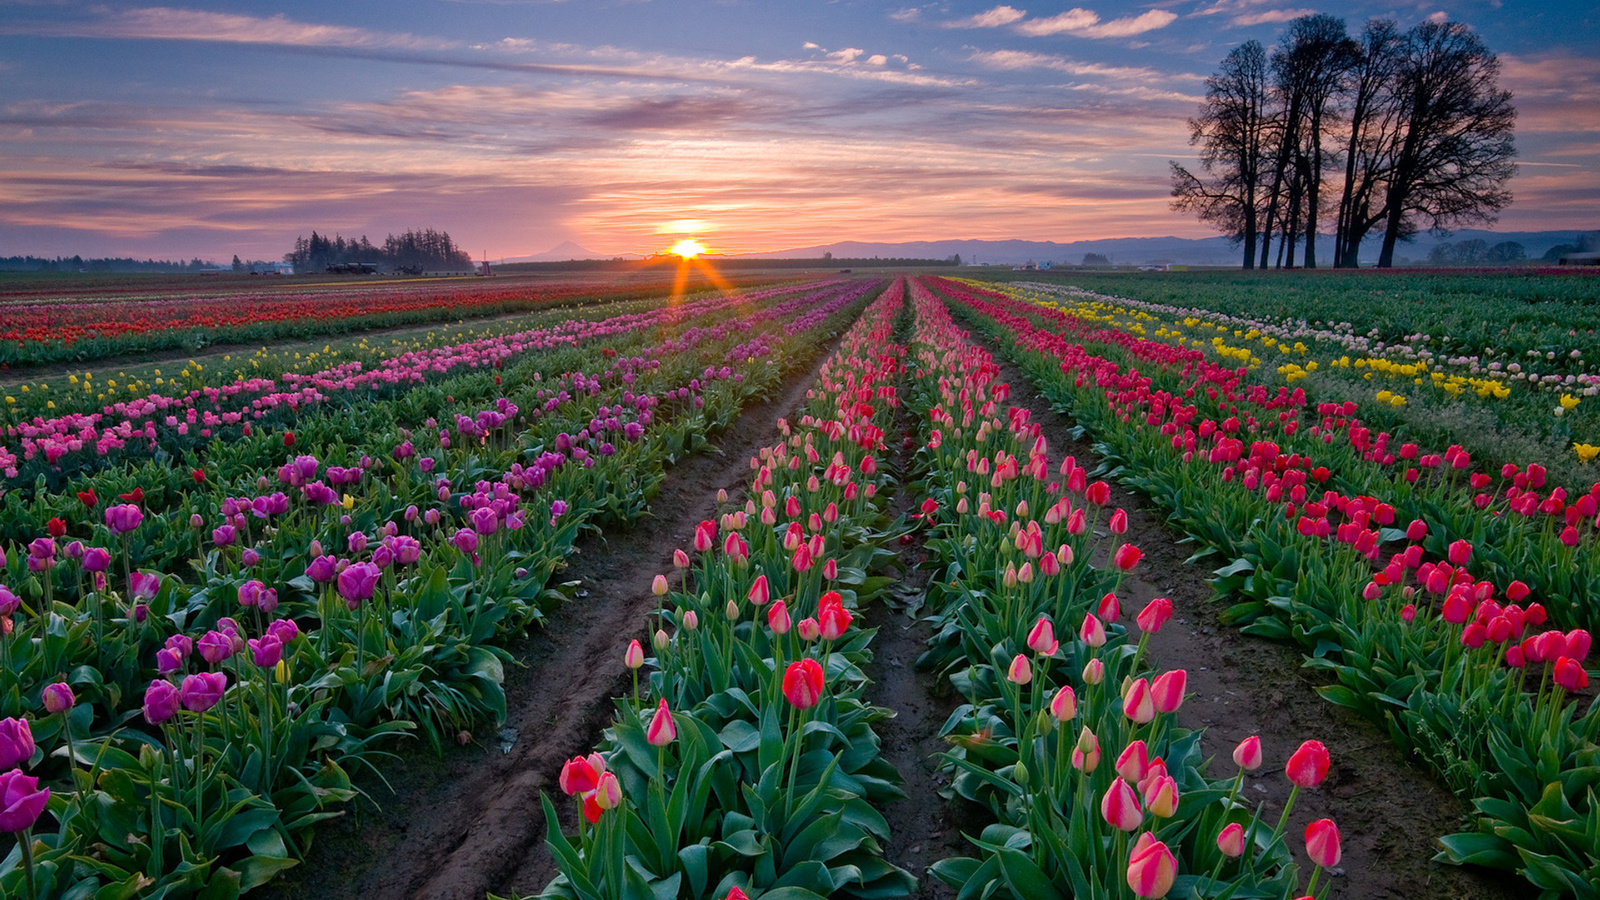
(1213, 251)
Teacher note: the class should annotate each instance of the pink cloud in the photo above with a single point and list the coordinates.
(1086, 23)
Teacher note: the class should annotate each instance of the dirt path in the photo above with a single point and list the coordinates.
(1389, 812)
(458, 827)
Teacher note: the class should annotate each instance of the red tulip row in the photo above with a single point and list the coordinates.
(1428, 668)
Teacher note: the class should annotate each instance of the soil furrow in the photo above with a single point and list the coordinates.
(1390, 812)
(458, 827)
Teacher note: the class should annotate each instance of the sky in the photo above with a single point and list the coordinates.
(221, 128)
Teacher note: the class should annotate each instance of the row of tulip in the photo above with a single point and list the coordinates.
(745, 760)
(61, 446)
(75, 329)
(287, 665)
(1526, 396)
(1529, 529)
(1433, 638)
(1031, 634)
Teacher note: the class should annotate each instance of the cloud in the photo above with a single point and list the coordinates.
(1267, 16)
(994, 18)
(1086, 23)
(1018, 60)
(168, 23)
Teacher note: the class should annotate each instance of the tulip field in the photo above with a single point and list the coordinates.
(228, 600)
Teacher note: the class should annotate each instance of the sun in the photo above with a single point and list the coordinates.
(688, 248)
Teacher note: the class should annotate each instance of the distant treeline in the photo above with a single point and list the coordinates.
(621, 265)
(108, 264)
(414, 251)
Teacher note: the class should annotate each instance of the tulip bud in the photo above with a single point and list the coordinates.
(1064, 705)
(659, 641)
(633, 657)
(1092, 632)
(662, 730)
(1247, 755)
(1120, 806)
(659, 586)
(778, 618)
(1322, 843)
(1021, 672)
(1231, 840)
(1151, 867)
(1094, 672)
(1167, 690)
(1133, 761)
(1042, 639)
(1138, 705)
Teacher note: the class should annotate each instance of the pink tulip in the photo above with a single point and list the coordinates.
(1151, 867)
(1109, 609)
(1459, 552)
(1021, 671)
(662, 731)
(57, 698)
(658, 586)
(1322, 843)
(759, 592)
(608, 791)
(1086, 753)
(1126, 557)
(1231, 840)
(1094, 671)
(1133, 761)
(803, 683)
(778, 618)
(1120, 806)
(808, 629)
(1161, 796)
(1247, 755)
(1167, 690)
(1042, 639)
(832, 618)
(1092, 632)
(1137, 705)
(633, 657)
(1064, 705)
(1309, 764)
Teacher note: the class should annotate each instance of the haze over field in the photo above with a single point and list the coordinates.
(170, 131)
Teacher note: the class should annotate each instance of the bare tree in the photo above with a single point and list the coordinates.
(1456, 141)
(1372, 138)
(1230, 134)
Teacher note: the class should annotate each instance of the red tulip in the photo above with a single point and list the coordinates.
(1126, 557)
(833, 618)
(1120, 806)
(1578, 643)
(802, 683)
(1151, 867)
(56, 527)
(88, 499)
(1309, 764)
(1459, 552)
(1155, 614)
(1322, 843)
(578, 776)
(1570, 674)
(662, 731)
(288, 439)
(1109, 609)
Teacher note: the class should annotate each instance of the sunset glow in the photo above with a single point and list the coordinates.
(688, 249)
(175, 132)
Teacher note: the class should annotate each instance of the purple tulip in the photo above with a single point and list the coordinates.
(141, 611)
(426, 464)
(249, 557)
(484, 521)
(21, 801)
(145, 586)
(285, 630)
(96, 559)
(215, 647)
(8, 601)
(229, 627)
(196, 522)
(357, 582)
(42, 549)
(266, 651)
(160, 701)
(411, 515)
(57, 697)
(16, 743)
(558, 508)
(269, 600)
(74, 550)
(250, 593)
(168, 661)
(201, 692)
(431, 517)
(465, 540)
(224, 535)
(407, 550)
(383, 556)
(357, 543)
(180, 644)
(322, 569)
(123, 518)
